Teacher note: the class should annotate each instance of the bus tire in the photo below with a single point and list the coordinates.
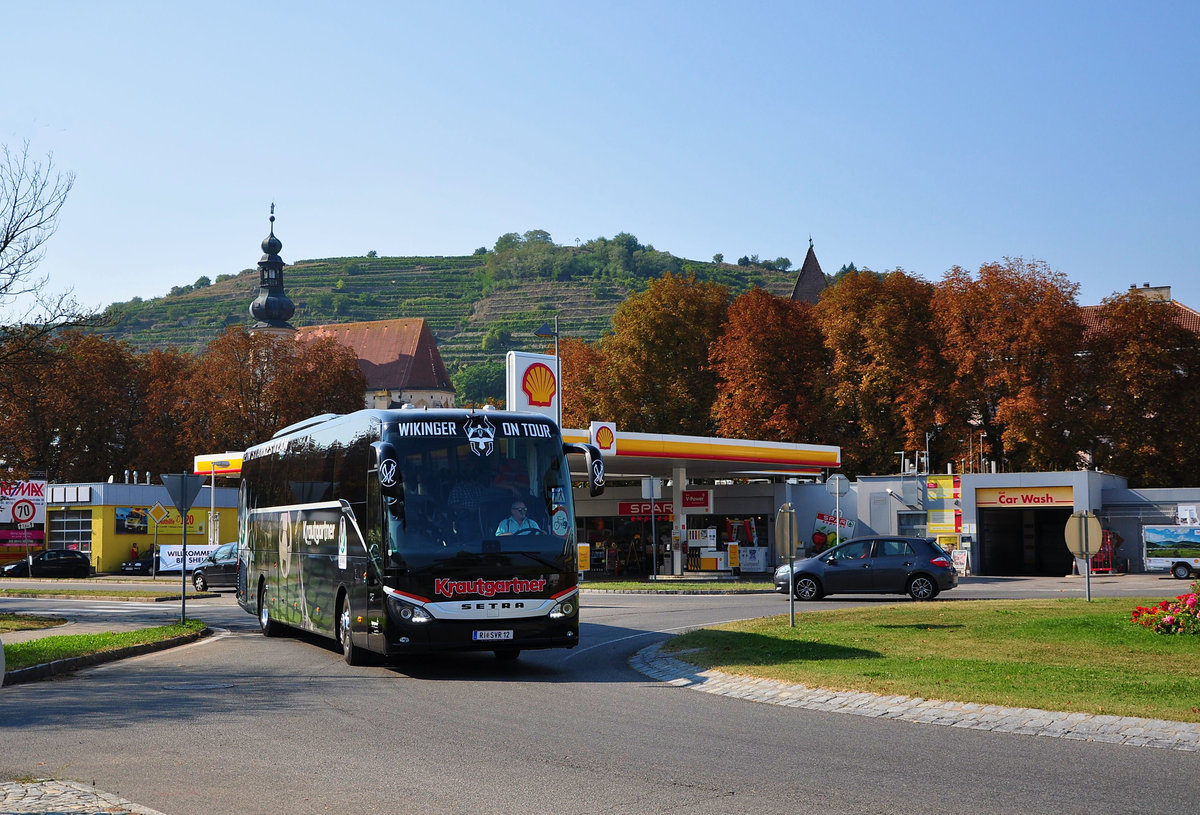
(1181, 571)
(507, 654)
(350, 652)
(269, 627)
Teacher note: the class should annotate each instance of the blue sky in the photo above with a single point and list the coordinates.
(912, 135)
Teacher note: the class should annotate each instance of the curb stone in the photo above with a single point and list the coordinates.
(50, 796)
(1127, 730)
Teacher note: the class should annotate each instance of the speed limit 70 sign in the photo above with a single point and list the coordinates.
(23, 511)
(22, 502)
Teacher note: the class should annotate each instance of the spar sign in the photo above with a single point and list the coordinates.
(23, 503)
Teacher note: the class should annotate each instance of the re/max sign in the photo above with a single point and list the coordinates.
(23, 489)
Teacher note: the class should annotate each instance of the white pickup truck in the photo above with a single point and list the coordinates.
(1172, 548)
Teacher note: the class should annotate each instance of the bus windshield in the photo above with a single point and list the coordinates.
(464, 503)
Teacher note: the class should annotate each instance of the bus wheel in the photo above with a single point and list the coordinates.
(507, 654)
(269, 627)
(1181, 571)
(350, 653)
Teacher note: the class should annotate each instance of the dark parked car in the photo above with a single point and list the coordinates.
(219, 570)
(51, 563)
(886, 564)
(145, 565)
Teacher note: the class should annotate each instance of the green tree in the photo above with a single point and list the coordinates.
(496, 338)
(479, 384)
(506, 242)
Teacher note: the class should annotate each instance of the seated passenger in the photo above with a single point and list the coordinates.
(517, 521)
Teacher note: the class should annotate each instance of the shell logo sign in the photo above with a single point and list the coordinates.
(604, 436)
(539, 385)
(530, 383)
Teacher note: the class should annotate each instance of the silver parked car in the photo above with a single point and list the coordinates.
(884, 564)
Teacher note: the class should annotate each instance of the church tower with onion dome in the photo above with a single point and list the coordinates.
(272, 308)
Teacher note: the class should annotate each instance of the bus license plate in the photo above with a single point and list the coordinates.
(493, 635)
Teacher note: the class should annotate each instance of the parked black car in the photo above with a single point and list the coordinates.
(145, 565)
(51, 563)
(881, 565)
(219, 570)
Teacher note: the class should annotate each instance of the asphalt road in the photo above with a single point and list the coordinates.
(248, 724)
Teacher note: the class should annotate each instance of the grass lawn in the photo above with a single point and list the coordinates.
(27, 622)
(1061, 654)
(47, 649)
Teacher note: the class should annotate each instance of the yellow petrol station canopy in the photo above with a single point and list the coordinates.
(218, 464)
(630, 454)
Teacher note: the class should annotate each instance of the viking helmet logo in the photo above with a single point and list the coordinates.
(481, 434)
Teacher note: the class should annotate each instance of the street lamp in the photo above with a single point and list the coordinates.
(547, 331)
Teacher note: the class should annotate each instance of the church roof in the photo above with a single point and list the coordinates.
(392, 354)
(811, 280)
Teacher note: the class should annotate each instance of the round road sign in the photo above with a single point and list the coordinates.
(1084, 534)
(23, 511)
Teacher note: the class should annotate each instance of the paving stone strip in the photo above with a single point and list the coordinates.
(49, 797)
(1127, 730)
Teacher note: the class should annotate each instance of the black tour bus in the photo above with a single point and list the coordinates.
(389, 531)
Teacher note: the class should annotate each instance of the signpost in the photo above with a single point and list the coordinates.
(183, 490)
(837, 486)
(785, 540)
(651, 489)
(1084, 536)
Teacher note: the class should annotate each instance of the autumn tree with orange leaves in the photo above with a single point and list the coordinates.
(582, 375)
(652, 373)
(70, 412)
(154, 412)
(247, 386)
(1010, 338)
(1144, 369)
(773, 371)
(887, 378)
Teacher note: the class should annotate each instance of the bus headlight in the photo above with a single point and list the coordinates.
(407, 612)
(563, 608)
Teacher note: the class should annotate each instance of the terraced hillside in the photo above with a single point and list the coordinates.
(454, 294)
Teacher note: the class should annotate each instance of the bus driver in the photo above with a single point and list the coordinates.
(518, 521)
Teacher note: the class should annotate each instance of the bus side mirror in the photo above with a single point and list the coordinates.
(387, 465)
(595, 465)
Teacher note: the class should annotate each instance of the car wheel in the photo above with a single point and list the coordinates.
(351, 653)
(808, 588)
(507, 654)
(1181, 571)
(199, 582)
(269, 627)
(922, 588)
